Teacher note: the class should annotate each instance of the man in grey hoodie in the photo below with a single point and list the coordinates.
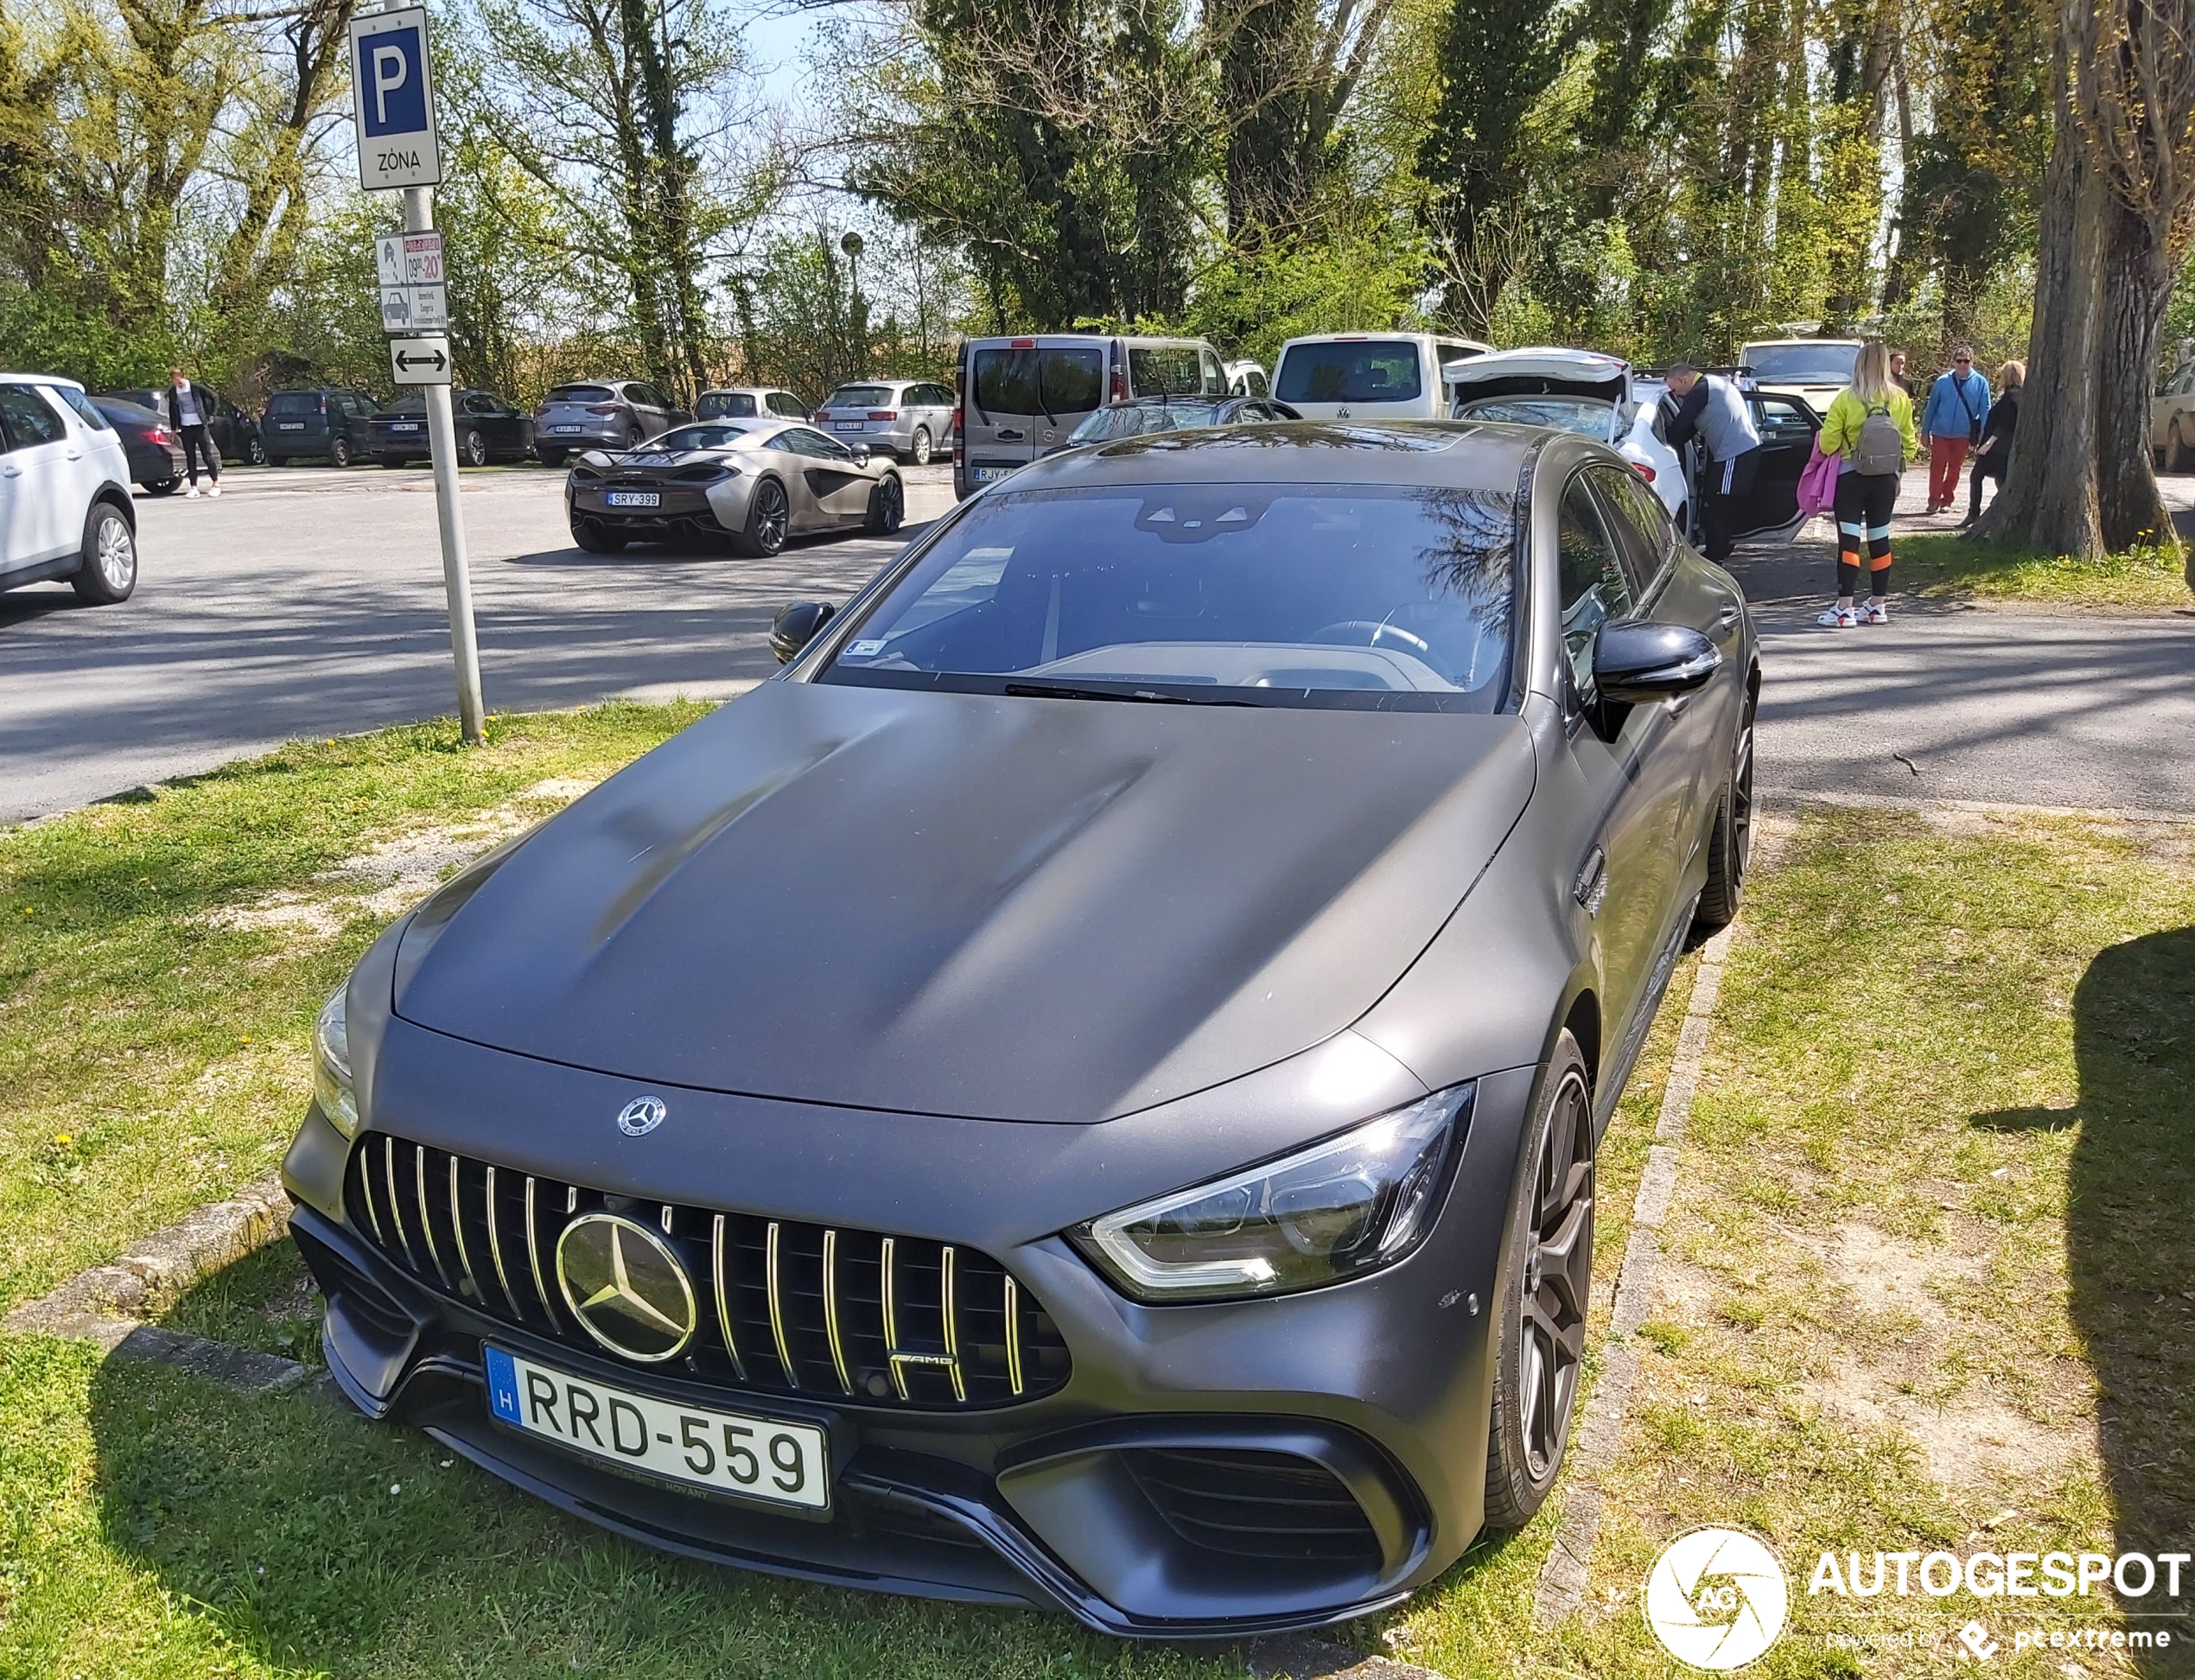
(1714, 409)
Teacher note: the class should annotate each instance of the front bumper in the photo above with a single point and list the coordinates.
(1381, 1384)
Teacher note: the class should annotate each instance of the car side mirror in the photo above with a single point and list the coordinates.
(795, 626)
(1635, 662)
(861, 454)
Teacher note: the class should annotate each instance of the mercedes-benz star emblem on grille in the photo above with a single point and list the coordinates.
(626, 1287)
(642, 1116)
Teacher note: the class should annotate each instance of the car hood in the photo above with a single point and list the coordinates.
(975, 906)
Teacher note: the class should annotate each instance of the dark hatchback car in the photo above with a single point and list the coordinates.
(325, 421)
(601, 414)
(155, 453)
(235, 432)
(1083, 1090)
(488, 429)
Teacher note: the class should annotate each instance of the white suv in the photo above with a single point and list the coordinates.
(65, 508)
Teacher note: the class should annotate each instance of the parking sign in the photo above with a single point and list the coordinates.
(393, 100)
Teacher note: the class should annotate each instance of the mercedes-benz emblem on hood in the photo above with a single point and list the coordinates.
(626, 1287)
(642, 1116)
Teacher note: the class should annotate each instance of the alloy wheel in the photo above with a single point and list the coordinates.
(770, 516)
(1742, 803)
(116, 556)
(1558, 1278)
(476, 450)
(922, 446)
(257, 455)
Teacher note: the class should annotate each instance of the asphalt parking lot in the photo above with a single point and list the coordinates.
(307, 602)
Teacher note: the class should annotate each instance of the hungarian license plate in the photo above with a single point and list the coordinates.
(634, 499)
(989, 474)
(566, 428)
(846, 425)
(290, 425)
(762, 1458)
(405, 425)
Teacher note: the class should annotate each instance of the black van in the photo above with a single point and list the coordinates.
(1020, 399)
(321, 421)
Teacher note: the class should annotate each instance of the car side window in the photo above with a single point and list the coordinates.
(86, 410)
(801, 441)
(1643, 529)
(1781, 422)
(1215, 376)
(28, 420)
(784, 403)
(1591, 585)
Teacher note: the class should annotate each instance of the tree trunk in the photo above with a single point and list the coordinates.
(2137, 289)
(2049, 499)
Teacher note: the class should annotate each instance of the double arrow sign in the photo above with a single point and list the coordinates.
(420, 361)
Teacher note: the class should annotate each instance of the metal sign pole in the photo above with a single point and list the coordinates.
(457, 578)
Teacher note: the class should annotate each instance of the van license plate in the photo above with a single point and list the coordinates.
(290, 425)
(760, 1458)
(987, 474)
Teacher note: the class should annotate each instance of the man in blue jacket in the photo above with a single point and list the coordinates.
(1958, 404)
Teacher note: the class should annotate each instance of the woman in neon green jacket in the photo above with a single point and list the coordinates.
(1867, 485)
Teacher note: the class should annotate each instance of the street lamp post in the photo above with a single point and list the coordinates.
(852, 245)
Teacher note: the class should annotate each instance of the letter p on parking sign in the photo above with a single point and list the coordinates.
(393, 100)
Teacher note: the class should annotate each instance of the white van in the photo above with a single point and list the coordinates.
(1368, 376)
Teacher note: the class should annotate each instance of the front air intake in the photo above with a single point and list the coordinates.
(1250, 1504)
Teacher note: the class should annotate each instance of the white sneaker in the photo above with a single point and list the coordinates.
(215, 491)
(1875, 612)
(1838, 618)
(191, 495)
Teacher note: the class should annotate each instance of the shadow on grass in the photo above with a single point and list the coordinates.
(2131, 1245)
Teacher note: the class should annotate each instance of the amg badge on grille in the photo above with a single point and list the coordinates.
(642, 1116)
(626, 1287)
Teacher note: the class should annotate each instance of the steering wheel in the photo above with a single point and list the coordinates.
(1335, 632)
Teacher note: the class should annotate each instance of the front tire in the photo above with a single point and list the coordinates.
(339, 452)
(887, 506)
(769, 516)
(1540, 1352)
(1730, 846)
(109, 573)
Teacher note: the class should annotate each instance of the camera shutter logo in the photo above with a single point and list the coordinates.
(642, 1116)
(1717, 1599)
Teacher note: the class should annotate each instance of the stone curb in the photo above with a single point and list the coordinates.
(154, 1274)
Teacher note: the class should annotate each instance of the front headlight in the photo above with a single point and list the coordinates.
(1355, 1202)
(332, 1064)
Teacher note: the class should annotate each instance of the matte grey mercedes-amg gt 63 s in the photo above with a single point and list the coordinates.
(1083, 1089)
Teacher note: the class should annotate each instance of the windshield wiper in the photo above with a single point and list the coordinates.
(1149, 696)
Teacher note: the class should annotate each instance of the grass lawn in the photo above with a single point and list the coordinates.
(1967, 1081)
(1951, 568)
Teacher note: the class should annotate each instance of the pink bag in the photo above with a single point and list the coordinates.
(1817, 484)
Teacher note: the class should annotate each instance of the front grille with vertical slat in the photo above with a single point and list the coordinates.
(1253, 1504)
(784, 1305)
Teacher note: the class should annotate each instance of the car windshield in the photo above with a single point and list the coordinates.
(698, 438)
(1802, 364)
(1590, 415)
(1134, 419)
(582, 394)
(293, 402)
(724, 405)
(1363, 371)
(1376, 597)
(860, 397)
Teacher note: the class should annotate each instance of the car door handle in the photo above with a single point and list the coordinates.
(71, 454)
(10, 472)
(1009, 434)
(1729, 615)
(1591, 884)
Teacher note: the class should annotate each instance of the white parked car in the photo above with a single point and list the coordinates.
(1576, 391)
(65, 508)
(1367, 376)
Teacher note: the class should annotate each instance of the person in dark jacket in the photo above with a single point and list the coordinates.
(190, 411)
(1716, 410)
(1994, 453)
